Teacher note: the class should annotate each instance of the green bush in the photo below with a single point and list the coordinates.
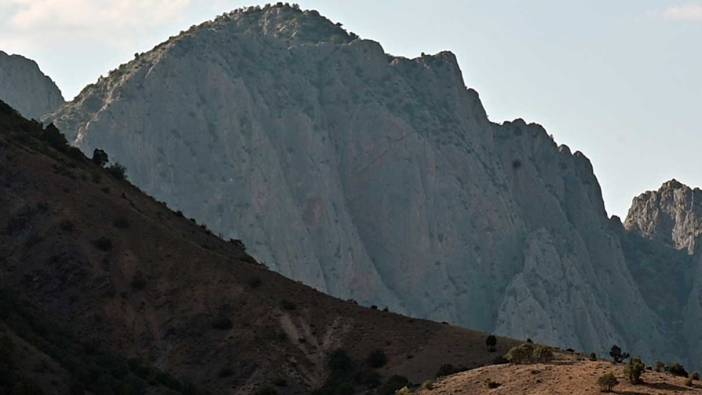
(542, 354)
(607, 382)
(676, 369)
(634, 370)
(117, 171)
(522, 353)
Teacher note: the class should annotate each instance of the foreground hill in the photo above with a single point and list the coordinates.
(377, 178)
(26, 88)
(103, 288)
(567, 376)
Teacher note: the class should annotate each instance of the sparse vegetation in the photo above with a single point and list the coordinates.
(660, 366)
(676, 369)
(607, 382)
(447, 369)
(593, 356)
(634, 370)
(617, 355)
(100, 157)
(529, 353)
(492, 384)
(117, 171)
(491, 342)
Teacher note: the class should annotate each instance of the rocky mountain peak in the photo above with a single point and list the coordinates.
(672, 214)
(24, 87)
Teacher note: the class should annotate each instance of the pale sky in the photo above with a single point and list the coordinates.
(619, 80)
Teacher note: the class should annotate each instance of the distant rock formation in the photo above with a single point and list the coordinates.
(373, 177)
(24, 87)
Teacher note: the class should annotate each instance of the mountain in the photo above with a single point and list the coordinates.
(377, 178)
(104, 289)
(668, 267)
(24, 87)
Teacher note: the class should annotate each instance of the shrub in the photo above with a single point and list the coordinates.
(522, 353)
(634, 370)
(660, 366)
(491, 342)
(617, 355)
(100, 157)
(393, 384)
(117, 171)
(377, 359)
(103, 244)
(492, 384)
(447, 369)
(287, 305)
(676, 369)
(427, 385)
(266, 391)
(54, 137)
(542, 354)
(607, 382)
(695, 376)
(593, 356)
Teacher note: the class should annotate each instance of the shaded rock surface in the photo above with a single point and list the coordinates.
(372, 177)
(24, 87)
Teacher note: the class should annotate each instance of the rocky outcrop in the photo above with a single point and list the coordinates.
(24, 87)
(672, 215)
(371, 177)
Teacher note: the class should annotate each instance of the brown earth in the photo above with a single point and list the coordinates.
(105, 290)
(566, 376)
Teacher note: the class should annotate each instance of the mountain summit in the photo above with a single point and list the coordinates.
(24, 87)
(672, 214)
(376, 178)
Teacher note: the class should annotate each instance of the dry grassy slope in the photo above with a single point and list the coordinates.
(158, 292)
(567, 376)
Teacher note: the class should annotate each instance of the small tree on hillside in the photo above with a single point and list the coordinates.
(100, 157)
(607, 382)
(634, 370)
(617, 355)
(491, 342)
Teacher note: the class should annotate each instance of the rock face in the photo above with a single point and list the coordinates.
(669, 270)
(672, 215)
(371, 177)
(24, 87)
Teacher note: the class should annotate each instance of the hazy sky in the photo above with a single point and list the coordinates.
(619, 80)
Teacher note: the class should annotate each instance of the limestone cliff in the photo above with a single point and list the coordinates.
(371, 177)
(24, 87)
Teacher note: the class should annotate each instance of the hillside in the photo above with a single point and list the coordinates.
(376, 178)
(568, 376)
(26, 88)
(104, 288)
